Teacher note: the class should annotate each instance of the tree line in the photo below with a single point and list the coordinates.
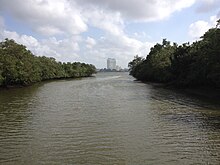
(18, 66)
(186, 65)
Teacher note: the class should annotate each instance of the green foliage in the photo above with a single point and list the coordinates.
(133, 65)
(197, 64)
(18, 66)
(157, 64)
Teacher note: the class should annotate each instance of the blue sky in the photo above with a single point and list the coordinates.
(91, 31)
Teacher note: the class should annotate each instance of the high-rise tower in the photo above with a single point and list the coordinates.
(111, 63)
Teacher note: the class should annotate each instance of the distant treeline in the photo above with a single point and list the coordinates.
(186, 65)
(18, 66)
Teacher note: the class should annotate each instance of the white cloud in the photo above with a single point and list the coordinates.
(198, 28)
(66, 48)
(141, 10)
(62, 50)
(48, 30)
(107, 21)
(30, 42)
(49, 17)
(90, 42)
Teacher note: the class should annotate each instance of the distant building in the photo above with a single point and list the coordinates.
(118, 68)
(111, 63)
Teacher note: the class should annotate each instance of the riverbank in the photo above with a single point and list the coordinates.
(202, 92)
(43, 81)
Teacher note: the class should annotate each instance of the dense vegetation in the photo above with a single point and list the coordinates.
(18, 66)
(186, 65)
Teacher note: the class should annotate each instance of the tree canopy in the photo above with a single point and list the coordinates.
(196, 64)
(18, 66)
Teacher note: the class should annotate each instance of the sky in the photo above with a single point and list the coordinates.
(91, 31)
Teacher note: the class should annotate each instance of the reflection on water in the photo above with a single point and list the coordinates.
(109, 119)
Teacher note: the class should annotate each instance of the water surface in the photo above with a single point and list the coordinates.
(108, 119)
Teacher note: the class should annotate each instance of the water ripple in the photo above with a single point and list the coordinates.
(110, 119)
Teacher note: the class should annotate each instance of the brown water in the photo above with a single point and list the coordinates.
(108, 119)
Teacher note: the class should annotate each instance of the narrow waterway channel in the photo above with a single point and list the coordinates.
(109, 119)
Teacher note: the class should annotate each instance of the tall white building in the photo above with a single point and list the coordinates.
(111, 63)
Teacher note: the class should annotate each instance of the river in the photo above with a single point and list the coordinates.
(109, 119)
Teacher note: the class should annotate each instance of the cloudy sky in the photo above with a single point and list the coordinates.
(91, 31)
